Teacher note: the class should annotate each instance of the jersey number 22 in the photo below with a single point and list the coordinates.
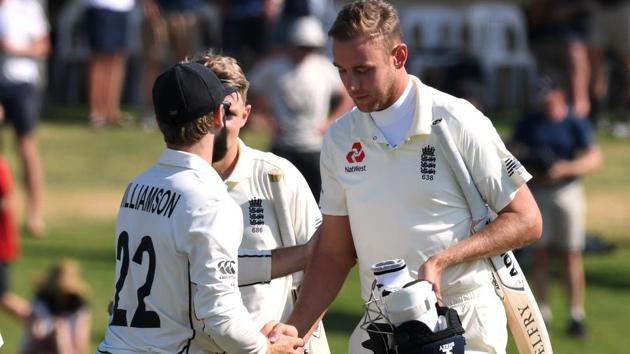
(141, 317)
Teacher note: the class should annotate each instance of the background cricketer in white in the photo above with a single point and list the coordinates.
(270, 263)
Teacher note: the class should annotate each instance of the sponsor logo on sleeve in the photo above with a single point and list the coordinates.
(227, 267)
(227, 271)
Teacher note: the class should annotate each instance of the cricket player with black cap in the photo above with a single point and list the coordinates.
(177, 236)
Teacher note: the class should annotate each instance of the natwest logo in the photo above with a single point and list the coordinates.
(356, 154)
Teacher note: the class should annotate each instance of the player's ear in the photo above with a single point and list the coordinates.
(217, 117)
(400, 53)
(245, 116)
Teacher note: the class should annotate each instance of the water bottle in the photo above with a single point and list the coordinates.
(391, 275)
(405, 298)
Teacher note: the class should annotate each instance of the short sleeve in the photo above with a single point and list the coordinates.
(38, 26)
(333, 197)
(254, 266)
(496, 172)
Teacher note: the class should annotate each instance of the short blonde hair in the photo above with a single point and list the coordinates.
(227, 70)
(375, 19)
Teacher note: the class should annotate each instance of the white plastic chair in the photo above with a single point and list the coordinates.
(433, 34)
(498, 39)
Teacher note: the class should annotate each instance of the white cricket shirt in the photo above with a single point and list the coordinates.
(177, 236)
(404, 201)
(22, 22)
(249, 186)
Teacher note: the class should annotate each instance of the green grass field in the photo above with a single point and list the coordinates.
(86, 172)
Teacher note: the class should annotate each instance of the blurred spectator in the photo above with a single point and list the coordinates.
(9, 244)
(611, 33)
(107, 33)
(559, 31)
(24, 42)
(247, 28)
(171, 33)
(463, 79)
(324, 10)
(61, 320)
(558, 148)
(294, 92)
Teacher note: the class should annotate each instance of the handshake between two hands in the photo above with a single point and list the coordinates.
(283, 338)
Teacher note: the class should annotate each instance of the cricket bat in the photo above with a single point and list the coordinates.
(281, 208)
(318, 343)
(524, 318)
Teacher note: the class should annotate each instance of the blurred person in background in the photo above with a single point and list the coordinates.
(324, 10)
(558, 148)
(559, 32)
(24, 42)
(61, 319)
(247, 28)
(611, 35)
(9, 244)
(300, 94)
(107, 33)
(171, 32)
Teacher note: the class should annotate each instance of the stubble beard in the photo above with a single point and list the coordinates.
(220, 146)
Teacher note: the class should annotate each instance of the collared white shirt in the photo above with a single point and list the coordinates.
(177, 235)
(404, 201)
(249, 186)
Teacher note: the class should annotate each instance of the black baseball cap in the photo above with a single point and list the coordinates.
(187, 91)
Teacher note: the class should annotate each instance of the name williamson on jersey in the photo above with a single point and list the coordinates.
(150, 199)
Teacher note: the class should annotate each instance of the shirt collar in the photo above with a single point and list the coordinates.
(187, 160)
(422, 117)
(242, 169)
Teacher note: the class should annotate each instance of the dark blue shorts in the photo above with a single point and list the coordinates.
(107, 30)
(22, 105)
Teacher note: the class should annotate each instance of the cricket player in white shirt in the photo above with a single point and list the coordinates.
(177, 238)
(388, 191)
(267, 278)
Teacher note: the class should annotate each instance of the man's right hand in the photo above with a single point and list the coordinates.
(286, 345)
(285, 341)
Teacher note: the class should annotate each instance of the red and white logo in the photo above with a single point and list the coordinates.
(356, 154)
